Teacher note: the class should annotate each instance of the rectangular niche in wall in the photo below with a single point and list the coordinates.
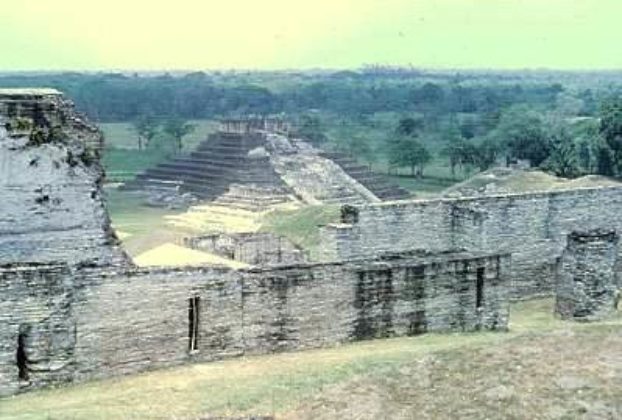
(193, 324)
(415, 295)
(22, 359)
(373, 300)
(479, 294)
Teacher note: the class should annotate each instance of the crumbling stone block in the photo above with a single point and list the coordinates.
(586, 287)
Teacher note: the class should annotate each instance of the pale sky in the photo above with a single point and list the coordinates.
(280, 34)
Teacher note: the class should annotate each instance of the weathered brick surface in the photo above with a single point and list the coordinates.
(532, 227)
(47, 109)
(52, 209)
(254, 248)
(36, 301)
(94, 322)
(587, 286)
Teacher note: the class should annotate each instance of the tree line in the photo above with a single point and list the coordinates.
(566, 123)
(566, 145)
(119, 97)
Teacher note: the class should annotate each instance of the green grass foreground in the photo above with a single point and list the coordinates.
(302, 226)
(542, 368)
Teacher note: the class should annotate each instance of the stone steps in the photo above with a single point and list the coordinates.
(218, 162)
(374, 182)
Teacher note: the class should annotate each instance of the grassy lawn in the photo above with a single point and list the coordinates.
(542, 368)
(141, 227)
(123, 164)
(129, 214)
(121, 135)
(422, 187)
(122, 159)
(302, 226)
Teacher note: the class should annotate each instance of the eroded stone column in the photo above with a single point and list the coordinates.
(587, 288)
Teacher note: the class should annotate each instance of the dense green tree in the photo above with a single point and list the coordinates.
(177, 129)
(469, 127)
(458, 150)
(605, 161)
(146, 129)
(585, 156)
(522, 131)
(402, 146)
(568, 105)
(407, 151)
(486, 153)
(120, 97)
(563, 157)
(611, 127)
(310, 128)
(409, 126)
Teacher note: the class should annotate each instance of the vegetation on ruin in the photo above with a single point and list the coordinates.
(503, 180)
(543, 367)
(302, 226)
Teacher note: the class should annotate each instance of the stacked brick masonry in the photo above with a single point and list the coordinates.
(52, 209)
(84, 323)
(47, 109)
(532, 227)
(255, 248)
(587, 287)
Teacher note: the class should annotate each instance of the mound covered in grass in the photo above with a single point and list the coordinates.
(506, 180)
(542, 368)
(301, 226)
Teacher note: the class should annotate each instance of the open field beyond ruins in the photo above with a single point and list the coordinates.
(543, 368)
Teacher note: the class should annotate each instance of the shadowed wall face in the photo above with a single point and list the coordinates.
(587, 286)
(37, 326)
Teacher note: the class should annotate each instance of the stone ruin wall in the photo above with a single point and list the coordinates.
(254, 248)
(47, 109)
(531, 226)
(587, 284)
(254, 124)
(82, 323)
(72, 306)
(52, 209)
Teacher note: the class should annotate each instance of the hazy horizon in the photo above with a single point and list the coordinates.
(190, 35)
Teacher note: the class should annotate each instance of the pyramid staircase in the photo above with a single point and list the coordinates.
(219, 163)
(374, 182)
(237, 182)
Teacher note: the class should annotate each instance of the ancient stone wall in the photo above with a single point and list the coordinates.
(74, 324)
(36, 314)
(254, 124)
(254, 248)
(532, 227)
(587, 287)
(52, 209)
(25, 110)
